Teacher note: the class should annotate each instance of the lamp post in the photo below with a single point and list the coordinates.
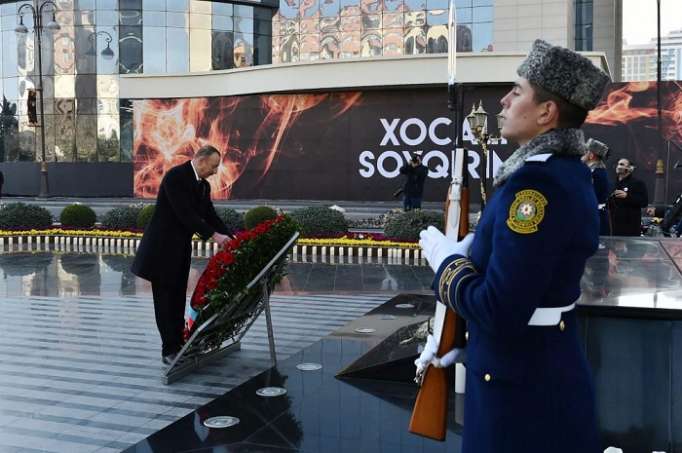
(37, 12)
(478, 122)
(107, 53)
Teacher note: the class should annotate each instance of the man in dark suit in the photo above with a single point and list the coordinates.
(183, 207)
(627, 201)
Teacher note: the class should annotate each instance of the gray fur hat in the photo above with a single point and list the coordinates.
(598, 148)
(564, 73)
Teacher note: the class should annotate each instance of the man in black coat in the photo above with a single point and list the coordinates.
(414, 185)
(627, 201)
(183, 208)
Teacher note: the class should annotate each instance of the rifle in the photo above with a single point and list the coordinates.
(429, 415)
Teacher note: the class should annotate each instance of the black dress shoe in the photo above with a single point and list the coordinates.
(168, 359)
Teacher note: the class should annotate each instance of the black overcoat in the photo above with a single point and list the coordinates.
(183, 208)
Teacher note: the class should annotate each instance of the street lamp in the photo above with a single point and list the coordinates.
(107, 53)
(37, 13)
(478, 123)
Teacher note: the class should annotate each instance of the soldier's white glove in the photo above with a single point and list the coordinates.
(428, 356)
(437, 247)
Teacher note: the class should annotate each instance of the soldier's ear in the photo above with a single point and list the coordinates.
(548, 113)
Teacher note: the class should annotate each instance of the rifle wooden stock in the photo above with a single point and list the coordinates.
(430, 412)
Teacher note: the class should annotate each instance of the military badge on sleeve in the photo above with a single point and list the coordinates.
(527, 211)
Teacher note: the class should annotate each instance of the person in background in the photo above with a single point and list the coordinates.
(414, 185)
(595, 157)
(627, 201)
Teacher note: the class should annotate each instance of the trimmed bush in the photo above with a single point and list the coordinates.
(233, 219)
(78, 216)
(145, 216)
(15, 216)
(121, 218)
(320, 221)
(257, 215)
(405, 226)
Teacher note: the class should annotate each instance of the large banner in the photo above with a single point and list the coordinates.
(351, 145)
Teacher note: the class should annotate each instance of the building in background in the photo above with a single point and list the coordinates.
(639, 60)
(84, 122)
(88, 122)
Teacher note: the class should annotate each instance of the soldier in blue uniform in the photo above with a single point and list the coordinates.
(528, 384)
(595, 158)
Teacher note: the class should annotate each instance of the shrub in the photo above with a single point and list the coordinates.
(121, 218)
(78, 216)
(233, 219)
(145, 216)
(405, 226)
(14, 216)
(259, 214)
(320, 221)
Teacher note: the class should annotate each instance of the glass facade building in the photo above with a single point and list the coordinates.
(84, 119)
(308, 30)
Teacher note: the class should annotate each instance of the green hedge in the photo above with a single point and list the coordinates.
(405, 226)
(145, 216)
(121, 218)
(233, 219)
(257, 215)
(78, 216)
(320, 222)
(14, 216)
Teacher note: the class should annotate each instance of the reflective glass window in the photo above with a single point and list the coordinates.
(154, 18)
(107, 4)
(9, 53)
(464, 15)
(108, 133)
(86, 138)
(108, 18)
(437, 17)
(130, 47)
(154, 50)
(130, 17)
(483, 36)
(437, 4)
(177, 41)
(177, 19)
(243, 25)
(154, 5)
(106, 64)
(177, 5)
(415, 5)
(243, 11)
(223, 23)
(262, 52)
(243, 50)
(222, 53)
(222, 9)
(130, 4)
(484, 14)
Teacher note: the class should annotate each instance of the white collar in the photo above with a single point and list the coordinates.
(196, 175)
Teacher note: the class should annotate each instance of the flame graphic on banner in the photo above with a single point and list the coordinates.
(246, 128)
(634, 101)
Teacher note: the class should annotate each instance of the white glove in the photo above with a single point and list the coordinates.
(428, 356)
(437, 247)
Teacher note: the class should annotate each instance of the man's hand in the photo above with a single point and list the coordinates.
(437, 247)
(220, 238)
(620, 194)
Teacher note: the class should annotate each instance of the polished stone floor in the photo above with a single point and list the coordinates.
(79, 360)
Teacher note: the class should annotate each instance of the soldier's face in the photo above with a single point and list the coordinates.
(523, 117)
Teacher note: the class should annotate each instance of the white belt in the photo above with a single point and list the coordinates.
(549, 316)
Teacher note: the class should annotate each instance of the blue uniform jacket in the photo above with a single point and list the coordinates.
(528, 388)
(602, 189)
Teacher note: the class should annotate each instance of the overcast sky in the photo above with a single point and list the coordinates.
(639, 19)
